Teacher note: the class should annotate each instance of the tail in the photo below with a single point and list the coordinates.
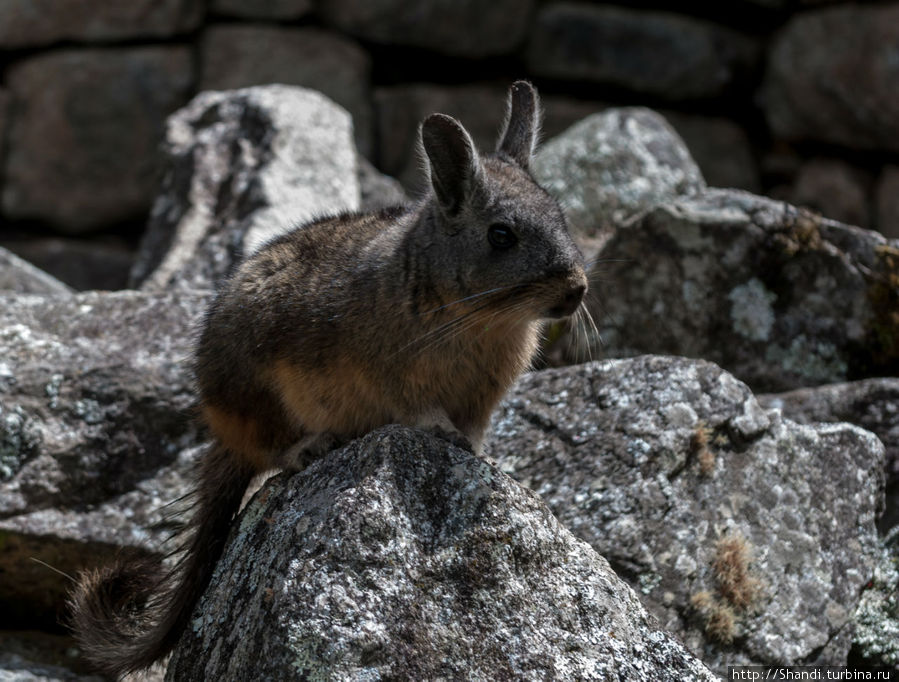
(129, 615)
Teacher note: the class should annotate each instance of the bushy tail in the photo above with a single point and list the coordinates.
(129, 615)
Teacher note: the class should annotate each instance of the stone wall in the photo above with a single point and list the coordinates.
(797, 99)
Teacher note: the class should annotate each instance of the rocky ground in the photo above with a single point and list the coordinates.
(699, 481)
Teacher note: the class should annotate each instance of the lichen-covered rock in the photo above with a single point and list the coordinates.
(467, 28)
(876, 637)
(833, 74)
(872, 404)
(238, 56)
(21, 277)
(748, 535)
(32, 23)
(242, 167)
(780, 297)
(659, 53)
(95, 416)
(402, 557)
(85, 121)
(612, 166)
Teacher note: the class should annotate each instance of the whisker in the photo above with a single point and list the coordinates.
(473, 296)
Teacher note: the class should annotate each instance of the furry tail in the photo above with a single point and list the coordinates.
(129, 615)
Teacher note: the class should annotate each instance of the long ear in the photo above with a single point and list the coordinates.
(452, 158)
(519, 136)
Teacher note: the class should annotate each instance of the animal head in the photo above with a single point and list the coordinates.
(503, 239)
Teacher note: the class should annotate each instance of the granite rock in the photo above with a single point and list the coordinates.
(242, 167)
(779, 296)
(402, 557)
(832, 77)
(236, 56)
(657, 53)
(709, 505)
(34, 23)
(611, 167)
(465, 28)
(84, 121)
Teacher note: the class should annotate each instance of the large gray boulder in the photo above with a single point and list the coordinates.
(402, 557)
(85, 121)
(96, 434)
(21, 277)
(832, 76)
(612, 166)
(872, 404)
(749, 536)
(242, 167)
(779, 296)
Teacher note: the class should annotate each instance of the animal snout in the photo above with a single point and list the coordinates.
(574, 289)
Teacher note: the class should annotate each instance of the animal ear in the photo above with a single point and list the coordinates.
(452, 158)
(522, 126)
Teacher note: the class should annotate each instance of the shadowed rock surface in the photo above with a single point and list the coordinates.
(18, 276)
(402, 557)
(663, 463)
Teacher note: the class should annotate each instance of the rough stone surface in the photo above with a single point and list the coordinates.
(262, 9)
(84, 264)
(612, 447)
(376, 190)
(833, 76)
(720, 147)
(28, 656)
(467, 28)
(21, 277)
(872, 404)
(95, 413)
(888, 202)
(85, 121)
(780, 297)
(834, 189)
(403, 557)
(242, 167)
(876, 638)
(238, 56)
(32, 23)
(658, 53)
(612, 166)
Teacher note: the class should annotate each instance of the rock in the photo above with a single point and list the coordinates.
(835, 189)
(84, 264)
(876, 638)
(266, 9)
(716, 511)
(721, 149)
(466, 28)
(888, 202)
(33, 23)
(243, 166)
(872, 404)
(237, 56)
(376, 190)
(612, 166)
(656, 53)
(832, 77)
(96, 408)
(38, 657)
(402, 557)
(778, 296)
(84, 121)
(21, 277)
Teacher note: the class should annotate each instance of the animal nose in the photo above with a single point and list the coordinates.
(573, 297)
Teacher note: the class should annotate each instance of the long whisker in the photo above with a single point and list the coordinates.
(473, 296)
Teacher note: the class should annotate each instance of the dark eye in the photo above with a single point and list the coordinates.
(501, 236)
